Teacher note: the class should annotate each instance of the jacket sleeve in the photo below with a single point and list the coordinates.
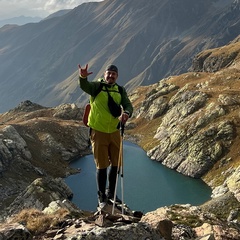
(126, 103)
(90, 88)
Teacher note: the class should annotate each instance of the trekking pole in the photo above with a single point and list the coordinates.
(120, 165)
(122, 189)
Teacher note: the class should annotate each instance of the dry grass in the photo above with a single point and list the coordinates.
(37, 222)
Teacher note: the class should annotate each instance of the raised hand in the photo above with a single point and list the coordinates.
(83, 72)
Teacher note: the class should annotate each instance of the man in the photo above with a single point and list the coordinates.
(105, 135)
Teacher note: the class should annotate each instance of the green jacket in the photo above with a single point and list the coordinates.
(100, 117)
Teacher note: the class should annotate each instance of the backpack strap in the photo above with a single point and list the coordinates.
(102, 82)
(120, 89)
(99, 89)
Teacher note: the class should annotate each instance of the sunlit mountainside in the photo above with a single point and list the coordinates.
(147, 41)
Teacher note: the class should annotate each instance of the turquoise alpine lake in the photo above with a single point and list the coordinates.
(146, 184)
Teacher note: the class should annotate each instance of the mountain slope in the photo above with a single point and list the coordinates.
(147, 41)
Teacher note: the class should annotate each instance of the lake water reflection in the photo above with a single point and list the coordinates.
(147, 184)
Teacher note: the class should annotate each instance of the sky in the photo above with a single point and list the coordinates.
(36, 8)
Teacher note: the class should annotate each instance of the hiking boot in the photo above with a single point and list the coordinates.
(102, 200)
(110, 197)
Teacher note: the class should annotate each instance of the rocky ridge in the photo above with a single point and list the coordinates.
(190, 123)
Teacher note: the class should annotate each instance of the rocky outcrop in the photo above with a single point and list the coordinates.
(46, 194)
(231, 184)
(189, 144)
(212, 60)
(191, 222)
(15, 231)
(36, 141)
(68, 112)
(12, 148)
(198, 116)
(155, 103)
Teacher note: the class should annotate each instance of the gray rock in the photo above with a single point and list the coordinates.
(68, 111)
(12, 146)
(41, 193)
(187, 143)
(156, 102)
(14, 231)
(208, 62)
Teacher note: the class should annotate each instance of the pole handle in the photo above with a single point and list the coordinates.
(122, 126)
